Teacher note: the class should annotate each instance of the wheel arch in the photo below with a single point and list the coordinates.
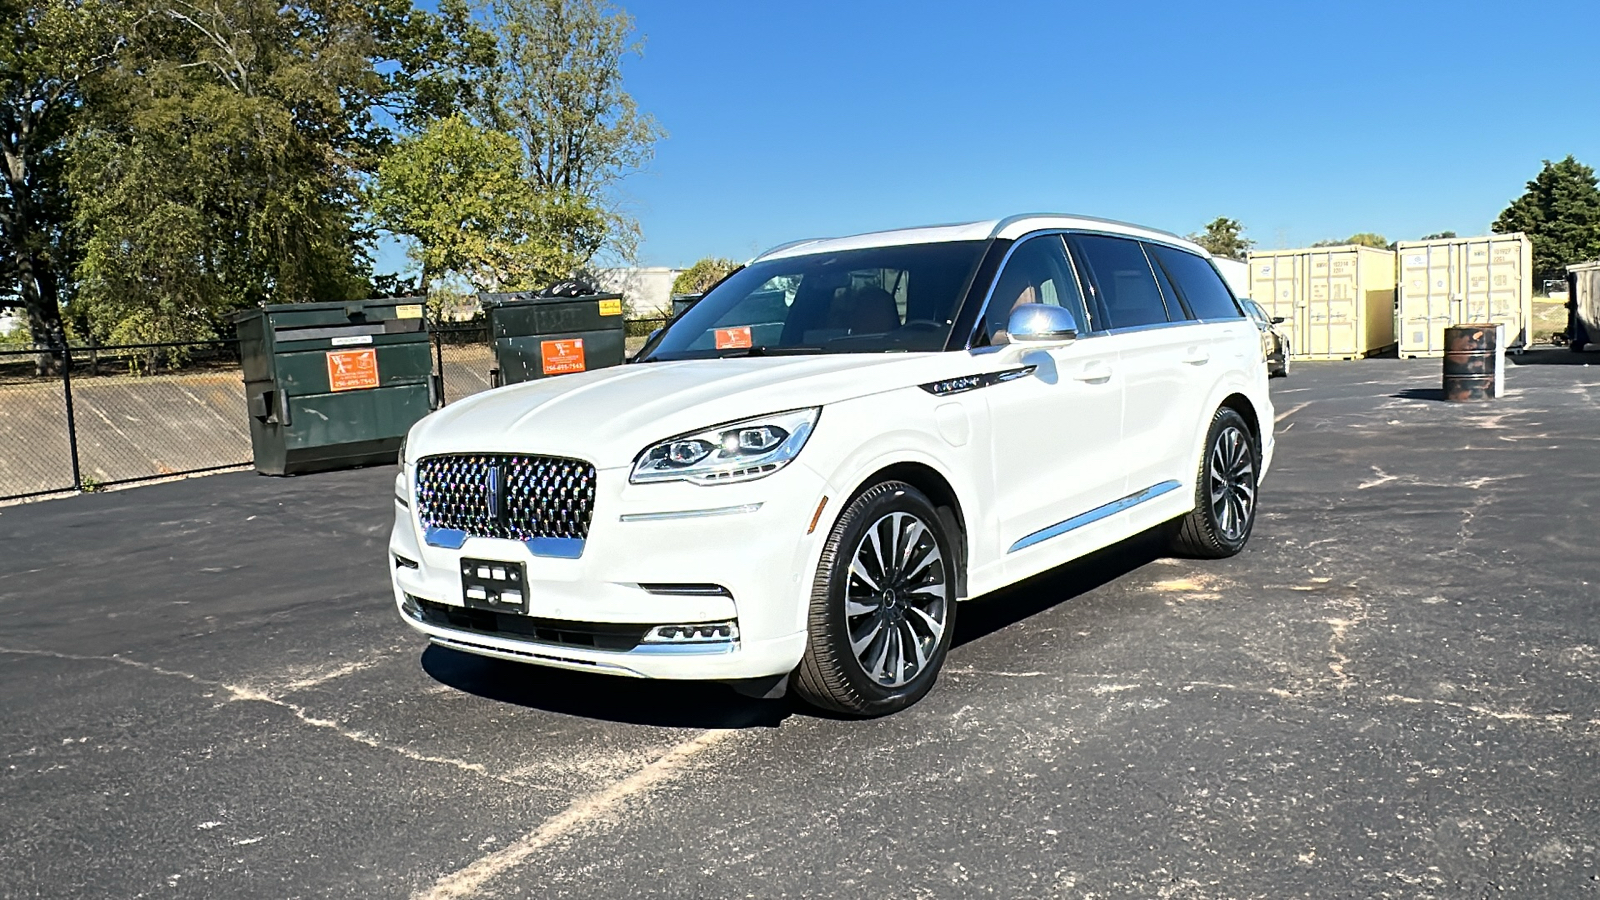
(929, 481)
(1241, 404)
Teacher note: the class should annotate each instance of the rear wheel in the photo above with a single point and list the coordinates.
(1225, 492)
(882, 605)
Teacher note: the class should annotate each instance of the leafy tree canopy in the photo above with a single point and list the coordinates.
(1360, 239)
(1560, 214)
(1439, 236)
(521, 189)
(1224, 237)
(47, 49)
(700, 277)
(218, 159)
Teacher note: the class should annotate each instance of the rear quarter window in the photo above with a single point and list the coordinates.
(1203, 290)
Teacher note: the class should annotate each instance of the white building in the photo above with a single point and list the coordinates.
(647, 289)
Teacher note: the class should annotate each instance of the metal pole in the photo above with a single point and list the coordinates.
(438, 355)
(65, 354)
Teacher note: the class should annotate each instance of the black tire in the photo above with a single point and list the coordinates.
(1282, 369)
(850, 606)
(1225, 492)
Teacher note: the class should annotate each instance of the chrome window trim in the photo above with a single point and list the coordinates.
(1072, 266)
(1072, 263)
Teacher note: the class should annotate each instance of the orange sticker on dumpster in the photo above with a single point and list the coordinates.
(733, 338)
(352, 370)
(562, 356)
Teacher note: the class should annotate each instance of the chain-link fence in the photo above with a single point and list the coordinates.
(463, 357)
(99, 416)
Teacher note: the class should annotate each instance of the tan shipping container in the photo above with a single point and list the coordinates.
(1585, 299)
(1336, 302)
(1455, 281)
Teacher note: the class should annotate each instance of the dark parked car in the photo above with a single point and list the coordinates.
(1274, 343)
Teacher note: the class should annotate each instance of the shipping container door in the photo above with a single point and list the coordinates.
(1332, 310)
(1502, 281)
(1277, 284)
(1429, 284)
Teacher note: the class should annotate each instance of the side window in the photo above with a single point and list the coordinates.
(1202, 288)
(1036, 272)
(1176, 308)
(1124, 286)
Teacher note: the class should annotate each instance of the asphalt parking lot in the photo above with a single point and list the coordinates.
(1393, 692)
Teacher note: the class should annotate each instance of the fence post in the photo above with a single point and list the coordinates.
(59, 348)
(438, 358)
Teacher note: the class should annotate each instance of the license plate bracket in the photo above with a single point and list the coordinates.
(495, 585)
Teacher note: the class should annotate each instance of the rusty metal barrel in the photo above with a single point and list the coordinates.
(1470, 358)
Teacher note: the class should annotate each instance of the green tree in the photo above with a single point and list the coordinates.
(1439, 236)
(1359, 239)
(557, 88)
(457, 191)
(1224, 237)
(47, 48)
(699, 277)
(1560, 214)
(219, 159)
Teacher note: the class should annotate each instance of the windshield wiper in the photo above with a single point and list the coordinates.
(769, 351)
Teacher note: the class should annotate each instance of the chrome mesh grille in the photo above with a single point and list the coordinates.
(535, 496)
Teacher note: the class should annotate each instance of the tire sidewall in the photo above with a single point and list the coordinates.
(1225, 418)
(870, 506)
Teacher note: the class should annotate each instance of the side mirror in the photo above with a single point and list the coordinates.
(1277, 320)
(1038, 323)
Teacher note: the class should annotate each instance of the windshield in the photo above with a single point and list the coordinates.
(857, 301)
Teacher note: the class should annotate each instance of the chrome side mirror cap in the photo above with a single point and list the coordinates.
(1036, 323)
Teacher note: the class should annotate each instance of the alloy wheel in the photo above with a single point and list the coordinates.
(896, 600)
(1232, 486)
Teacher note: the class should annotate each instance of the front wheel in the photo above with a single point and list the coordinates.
(882, 605)
(1225, 492)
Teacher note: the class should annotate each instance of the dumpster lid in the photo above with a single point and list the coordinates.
(514, 298)
(348, 307)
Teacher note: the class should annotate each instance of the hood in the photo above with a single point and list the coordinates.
(608, 415)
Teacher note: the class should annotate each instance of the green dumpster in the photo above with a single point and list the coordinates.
(539, 335)
(334, 385)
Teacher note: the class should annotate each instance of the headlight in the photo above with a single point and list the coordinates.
(402, 453)
(737, 451)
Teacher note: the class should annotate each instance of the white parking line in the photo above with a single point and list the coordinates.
(465, 882)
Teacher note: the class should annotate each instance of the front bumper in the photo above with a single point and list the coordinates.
(650, 558)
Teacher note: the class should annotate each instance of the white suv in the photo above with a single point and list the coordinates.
(796, 482)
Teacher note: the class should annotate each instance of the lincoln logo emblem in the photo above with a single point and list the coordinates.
(492, 496)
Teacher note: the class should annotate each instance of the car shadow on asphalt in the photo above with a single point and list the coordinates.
(1559, 356)
(689, 704)
(1026, 599)
(633, 701)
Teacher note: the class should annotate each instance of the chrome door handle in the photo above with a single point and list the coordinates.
(1095, 373)
(1197, 357)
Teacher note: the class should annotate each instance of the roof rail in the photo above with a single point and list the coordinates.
(1008, 221)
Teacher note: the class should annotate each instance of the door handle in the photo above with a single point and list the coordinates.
(1197, 356)
(1093, 373)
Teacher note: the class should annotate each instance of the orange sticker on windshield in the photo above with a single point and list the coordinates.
(352, 370)
(734, 338)
(562, 356)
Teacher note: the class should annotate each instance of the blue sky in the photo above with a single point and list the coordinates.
(1305, 121)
